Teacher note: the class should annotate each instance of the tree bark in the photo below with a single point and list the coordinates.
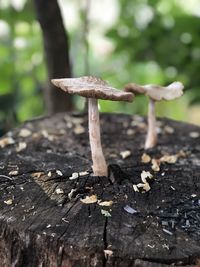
(43, 221)
(56, 48)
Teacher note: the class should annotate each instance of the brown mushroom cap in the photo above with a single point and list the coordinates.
(92, 87)
(156, 92)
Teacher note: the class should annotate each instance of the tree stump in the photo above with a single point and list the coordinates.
(46, 175)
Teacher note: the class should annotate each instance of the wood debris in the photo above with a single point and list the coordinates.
(155, 165)
(125, 154)
(194, 134)
(83, 173)
(108, 252)
(37, 174)
(21, 146)
(13, 173)
(145, 158)
(79, 129)
(24, 133)
(171, 159)
(168, 129)
(130, 132)
(135, 188)
(8, 202)
(49, 174)
(105, 213)
(47, 135)
(6, 141)
(59, 191)
(73, 176)
(145, 175)
(89, 199)
(105, 203)
(70, 194)
(59, 172)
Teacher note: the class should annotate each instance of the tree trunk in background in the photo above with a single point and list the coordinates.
(56, 49)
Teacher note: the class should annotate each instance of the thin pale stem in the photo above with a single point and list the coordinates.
(99, 164)
(151, 138)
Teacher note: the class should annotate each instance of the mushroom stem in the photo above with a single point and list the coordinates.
(151, 138)
(99, 164)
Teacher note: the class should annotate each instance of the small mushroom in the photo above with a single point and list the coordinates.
(155, 93)
(93, 88)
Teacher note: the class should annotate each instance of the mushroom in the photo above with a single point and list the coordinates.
(93, 88)
(155, 93)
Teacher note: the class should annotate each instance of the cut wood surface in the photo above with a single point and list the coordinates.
(54, 213)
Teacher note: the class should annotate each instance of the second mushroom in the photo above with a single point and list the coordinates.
(94, 88)
(155, 93)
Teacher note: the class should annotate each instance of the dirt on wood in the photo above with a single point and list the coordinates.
(53, 212)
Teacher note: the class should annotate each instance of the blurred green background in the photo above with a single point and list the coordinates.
(142, 41)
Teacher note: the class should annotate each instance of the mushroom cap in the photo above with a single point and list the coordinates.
(156, 92)
(92, 87)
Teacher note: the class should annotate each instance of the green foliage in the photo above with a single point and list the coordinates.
(21, 66)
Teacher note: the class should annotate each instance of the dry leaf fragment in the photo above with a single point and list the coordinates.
(21, 146)
(79, 129)
(89, 199)
(155, 165)
(145, 158)
(6, 141)
(194, 134)
(74, 176)
(13, 173)
(24, 132)
(169, 159)
(108, 252)
(8, 202)
(106, 203)
(125, 154)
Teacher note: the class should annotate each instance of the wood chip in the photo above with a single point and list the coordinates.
(8, 202)
(37, 174)
(145, 175)
(169, 159)
(125, 154)
(59, 172)
(83, 173)
(108, 252)
(6, 141)
(79, 129)
(74, 176)
(49, 174)
(59, 191)
(194, 134)
(168, 129)
(135, 188)
(106, 203)
(70, 194)
(24, 132)
(130, 132)
(21, 146)
(105, 213)
(145, 158)
(47, 135)
(155, 165)
(13, 173)
(89, 199)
